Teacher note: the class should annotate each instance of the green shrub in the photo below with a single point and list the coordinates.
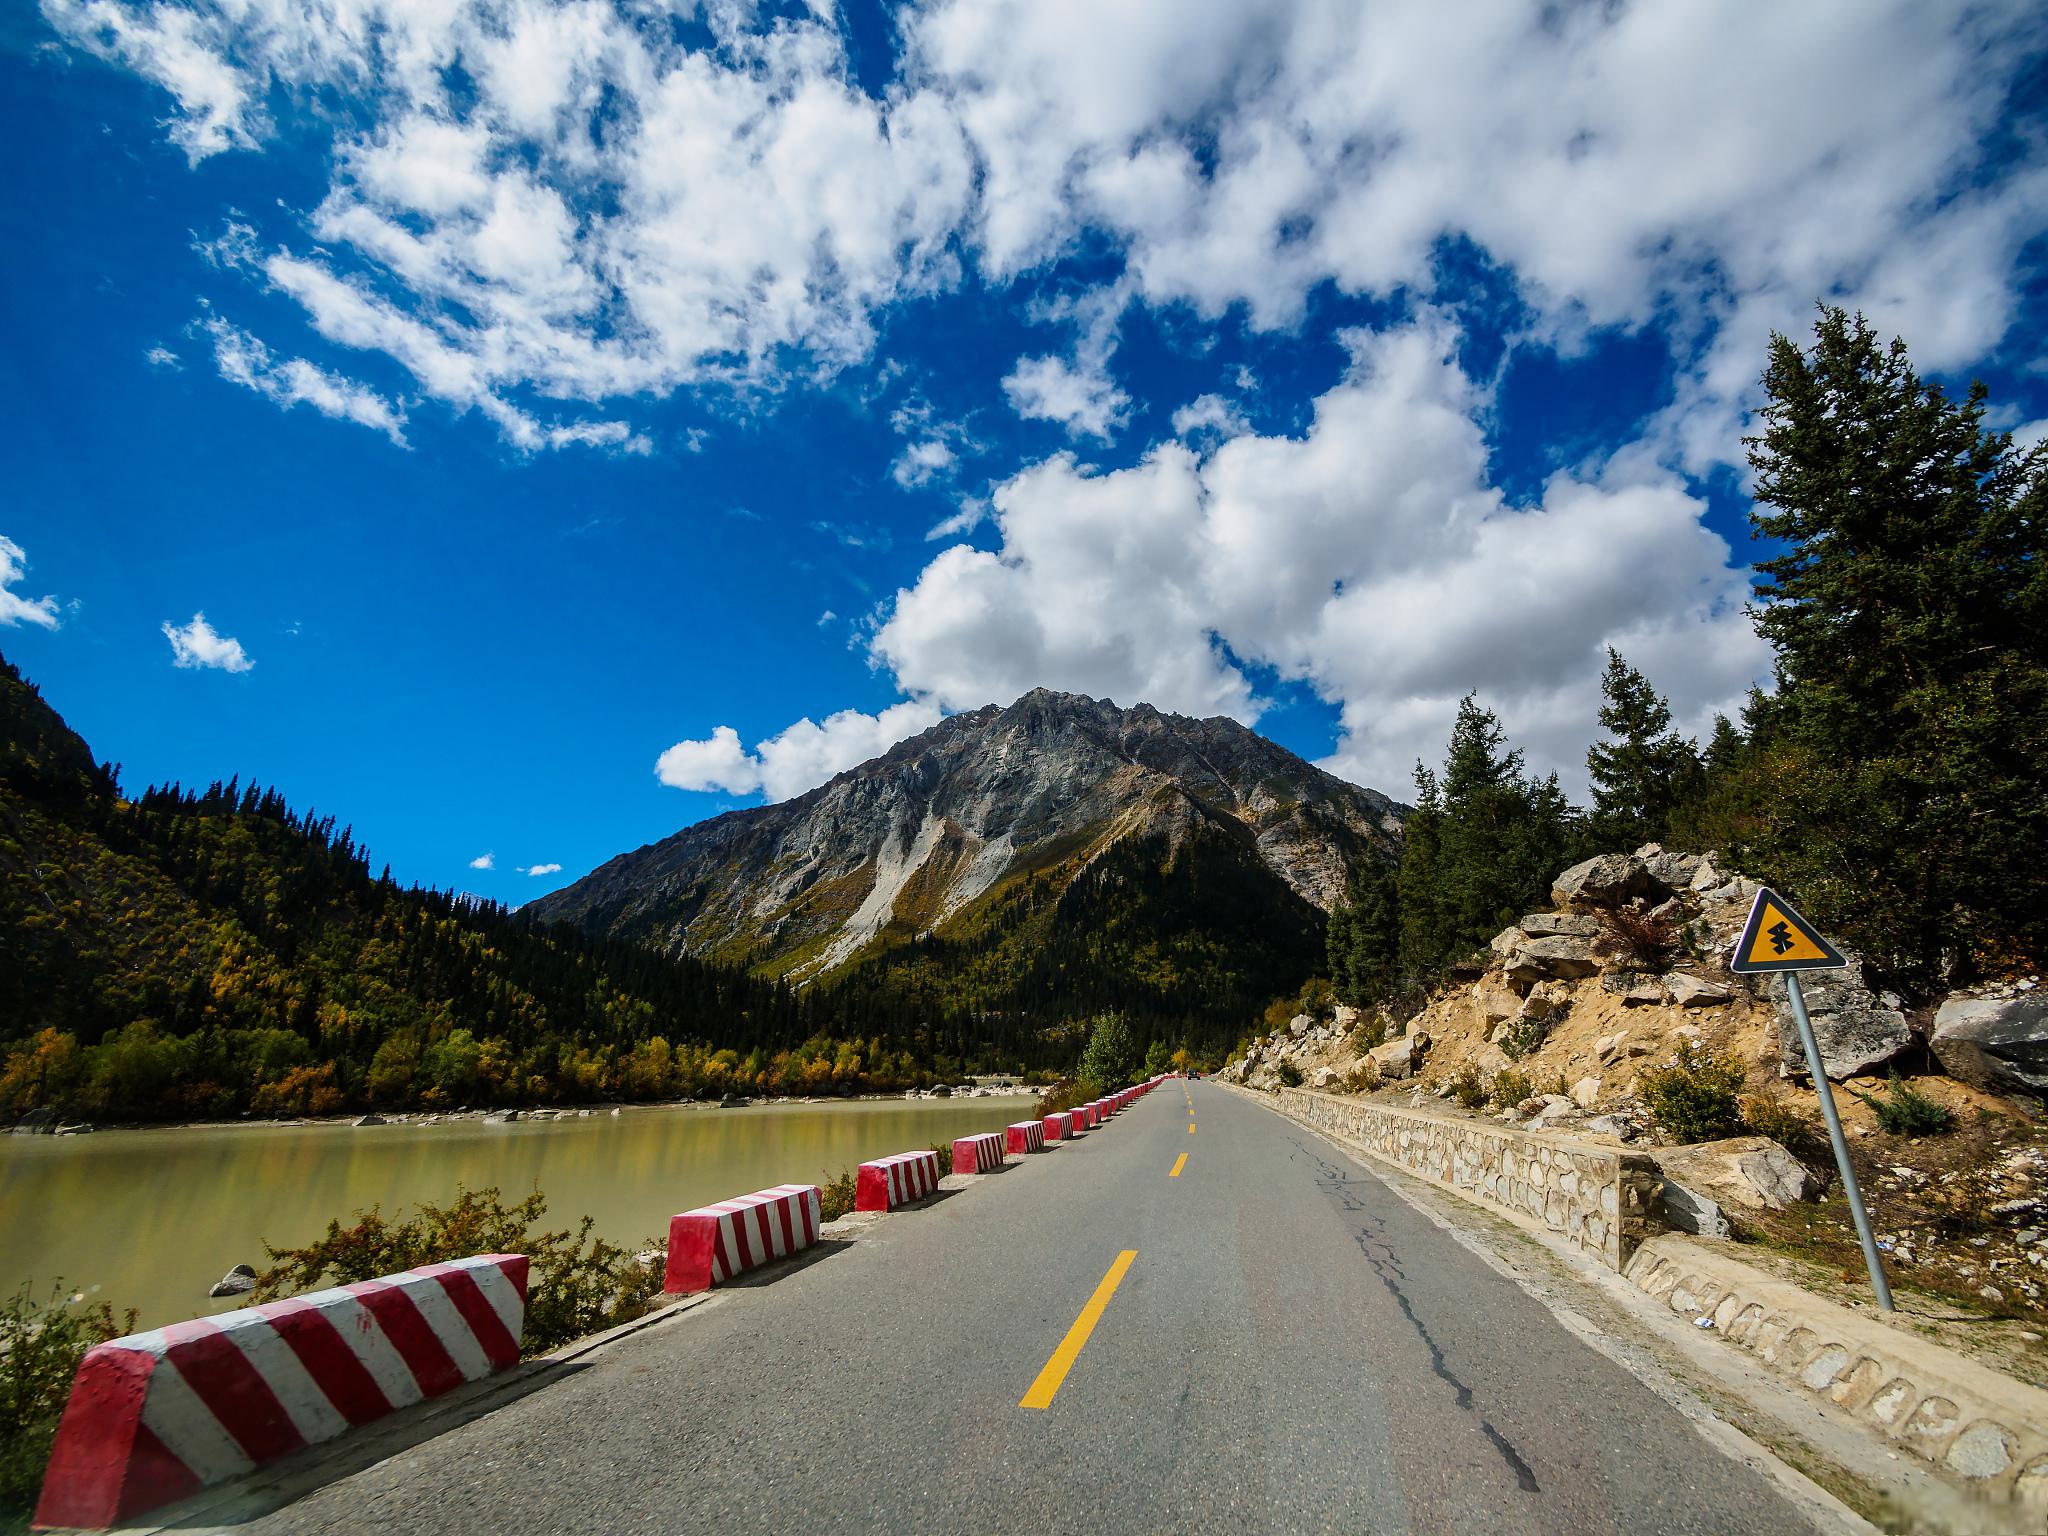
(1363, 1079)
(41, 1344)
(576, 1283)
(835, 1196)
(1063, 1095)
(1696, 1097)
(945, 1152)
(1467, 1087)
(1904, 1112)
(1290, 1074)
(1511, 1087)
(1372, 1028)
(1525, 1035)
(1783, 1124)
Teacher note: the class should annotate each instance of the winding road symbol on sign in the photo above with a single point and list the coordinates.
(1777, 938)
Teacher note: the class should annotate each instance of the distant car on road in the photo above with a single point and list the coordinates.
(1193, 1075)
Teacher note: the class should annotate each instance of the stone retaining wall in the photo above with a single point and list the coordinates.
(1601, 1199)
(1985, 1428)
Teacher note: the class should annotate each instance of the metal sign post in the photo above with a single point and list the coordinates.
(1777, 938)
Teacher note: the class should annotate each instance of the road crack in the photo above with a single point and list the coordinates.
(1369, 1233)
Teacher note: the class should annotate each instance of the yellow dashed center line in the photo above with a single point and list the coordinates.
(1062, 1361)
(1179, 1163)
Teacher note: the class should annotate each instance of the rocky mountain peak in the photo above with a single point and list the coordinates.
(913, 841)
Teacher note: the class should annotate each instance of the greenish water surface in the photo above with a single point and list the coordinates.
(150, 1219)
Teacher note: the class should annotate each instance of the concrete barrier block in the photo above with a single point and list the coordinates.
(1026, 1136)
(978, 1154)
(158, 1416)
(1058, 1127)
(717, 1242)
(889, 1182)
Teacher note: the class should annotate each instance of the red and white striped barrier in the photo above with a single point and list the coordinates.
(713, 1244)
(888, 1182)
(1026, 1136)
(158, 1416)
(1059, 1127)
(978, 1154)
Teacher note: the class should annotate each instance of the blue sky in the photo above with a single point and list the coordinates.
(573, 422)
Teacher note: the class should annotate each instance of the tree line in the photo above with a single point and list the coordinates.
(1892, 780)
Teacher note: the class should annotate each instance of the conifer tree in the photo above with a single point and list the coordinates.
(1909, 608)
(1364, 939)
(1645, 770)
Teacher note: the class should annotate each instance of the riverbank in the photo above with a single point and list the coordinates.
(153, 1217)
(532, 1114)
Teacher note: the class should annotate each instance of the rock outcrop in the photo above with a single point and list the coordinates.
(1996, 1041)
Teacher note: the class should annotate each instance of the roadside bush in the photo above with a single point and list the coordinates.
(1318, 1000)
(576, 1283)
(1786, 1126)
(945, 1152)
(1290, 1074)
(1467, 1088)
(1372, 1028)
(1511, 1087)
(836, 1196)
(1364, 1078)
(1630, 931)
(1062, 1095)
(41, 1344)
(1696, 1097)
(1905, 1112)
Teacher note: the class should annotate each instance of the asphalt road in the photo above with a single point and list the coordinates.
(1291, 1347)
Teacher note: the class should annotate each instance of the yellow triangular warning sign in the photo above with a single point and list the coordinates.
(1777, 938)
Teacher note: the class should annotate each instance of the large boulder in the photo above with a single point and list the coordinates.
(1299, 1025)
(1671, 871)
(1562, 958)
(1999, 1044)
(1858, 1031)
(1400, 1057)
(1752, 1172)
(1606, 880)
(1690, 991)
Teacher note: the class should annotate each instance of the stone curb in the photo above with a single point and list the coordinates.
(1985, 1428)
(1603, 1200)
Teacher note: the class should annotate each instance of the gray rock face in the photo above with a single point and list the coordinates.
(1299, 1025)
(1856, 1030)
(1998, 1044)
(1562, 958)
(1752, 1172)
(1671, 871)
(36, 1122)
(368, 1120)
(905, 841)
(1399, 1058)
(1689, 1211)
(1606, 880)
(1548, 925)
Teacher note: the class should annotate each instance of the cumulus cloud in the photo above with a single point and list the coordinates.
(1370, 558)
(1209, 415)
(244, 360)
(14, 608)
(1086, 401)
(560, 201)
(921, 463)
(199, 644)
(795, 759)
(484, 861)
(541, 869)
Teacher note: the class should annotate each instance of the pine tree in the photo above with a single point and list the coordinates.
(1364, 941)
(1909, 609)
(1645, 771)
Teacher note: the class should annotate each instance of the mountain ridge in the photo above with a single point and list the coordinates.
(908, 845)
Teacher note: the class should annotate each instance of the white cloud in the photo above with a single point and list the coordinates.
(541, 869)
(484, 861)
(795, 759)
(244, 360)
(1085, 401)
(15, 609)
(562, 203)
(972, 514)
(1209, 414)
(826, 618)
(198, 644)
(1370, 558)
(162, 357)
(920, 463)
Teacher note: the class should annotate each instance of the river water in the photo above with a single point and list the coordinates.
(150, 1219)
